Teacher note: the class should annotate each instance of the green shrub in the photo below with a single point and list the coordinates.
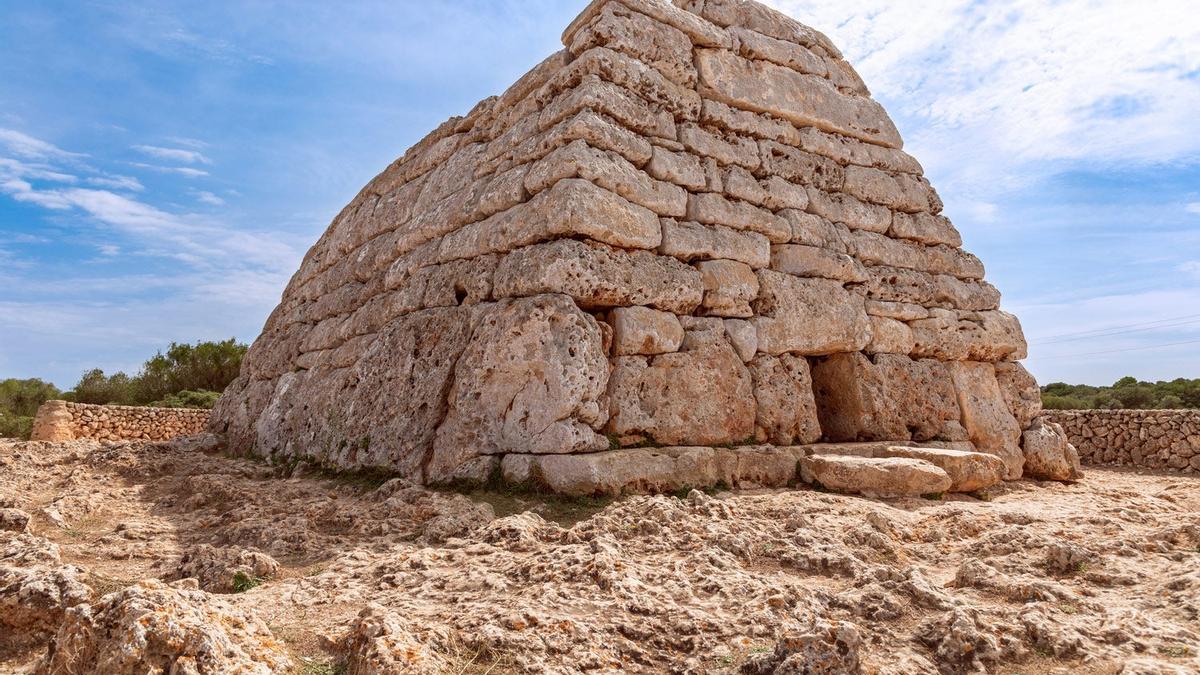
(1125, 393)
(189, 399)
(12, 426)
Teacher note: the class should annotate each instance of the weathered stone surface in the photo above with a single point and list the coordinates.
(725, 148)
(900, 311)
(968, 471)
(701, 32)
(891, 397)
(892, 284)
(813, 230)
(1048, 454)
(58, 421)
(813, 261)
(798, 166)
(729, 288)
(641, 330)
(679, 168)
(668, 469)
(572, 207)
(702, 396)
(854, 214)
(877, 249)
(808, 316)
(806, 100)
(216, 569)
(609, 171)
(992, 428)
(742, 337)
(1021, 392)
(609, 99)
(713, 209)
(925, 228)
(694, 241)
(598, 276)
(1164, 440)
(889, 336)
(762, 19)
(381, 641)
(659, 45)
(787, 413)
(530, 380)
(871, 477)
(969, 336)
(151, 627)
(902, 192)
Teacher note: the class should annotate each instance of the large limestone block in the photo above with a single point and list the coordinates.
(729, 288)
(787, 412)
(713, 209)
(725, 148)
(598, 276)
(889, 336)
(573, 207)
(894, 284)
(761, 19)
(1021, 392)
(925, 228)
(531, 380)
(812, 230)
(985, 415)
(968, 471)
(808, 316)
(806, 100)
(1048, 454)
(702, 396)
(641, 330)
(700, 31)
(902, 192)
(680, 168)
(798, 166)
(692, 241)
(877, 249)
(814, 261)
(891, 397)
(663, 47)
(630, 110)
(969, 336)
(610, 171)
(851, 212)
(872, 477)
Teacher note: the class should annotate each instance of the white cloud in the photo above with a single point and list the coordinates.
(1027, 86)
(181, 170)
(24, 145)
(117, 183)
(1193, 208)
(209, 198)
(1191, 268)
(109, 250)
(173, 154)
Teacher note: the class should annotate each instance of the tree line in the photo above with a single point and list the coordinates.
(186, 376)
(1125, 393)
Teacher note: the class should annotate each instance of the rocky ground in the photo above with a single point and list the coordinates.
(117, 557)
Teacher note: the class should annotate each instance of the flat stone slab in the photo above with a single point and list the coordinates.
(865, 449)
(653, 470)
(875, 477)
(968, 471)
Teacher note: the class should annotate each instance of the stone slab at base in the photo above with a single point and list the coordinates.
(658, 470)
(875, 477)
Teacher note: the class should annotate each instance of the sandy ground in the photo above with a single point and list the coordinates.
(1099, 576)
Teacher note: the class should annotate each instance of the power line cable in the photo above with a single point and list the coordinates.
(1131, 325)
(1127, 349)
(1112, 333)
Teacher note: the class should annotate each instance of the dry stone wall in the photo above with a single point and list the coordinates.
(691, 227)
(65, 421)
(1156, 439)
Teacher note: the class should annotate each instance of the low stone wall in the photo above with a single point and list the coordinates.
(65, 421)
(1155, 439)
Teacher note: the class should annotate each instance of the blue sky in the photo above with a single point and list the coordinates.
(164, 166)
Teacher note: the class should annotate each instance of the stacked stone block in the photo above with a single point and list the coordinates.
(65, 421)
(691, 227)
(1155, 439)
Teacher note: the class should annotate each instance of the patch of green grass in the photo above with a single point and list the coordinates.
(243, 582)
(934, 496)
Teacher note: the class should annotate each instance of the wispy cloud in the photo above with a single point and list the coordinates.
(117, 183)
(24, 145)
(1193, 208)
(205, 197)
(173, 154)
(181, 170)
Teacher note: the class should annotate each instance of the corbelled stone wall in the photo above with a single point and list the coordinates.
(65, 421)
(1156, 439)
(691, 227)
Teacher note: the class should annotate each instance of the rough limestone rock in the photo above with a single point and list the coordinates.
(381, 642)
(692, 226)
(831, 648)
(968, 471)
(1048, 454)
(152, 627)
(36, 589)
(875, 477)
(217, 569)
